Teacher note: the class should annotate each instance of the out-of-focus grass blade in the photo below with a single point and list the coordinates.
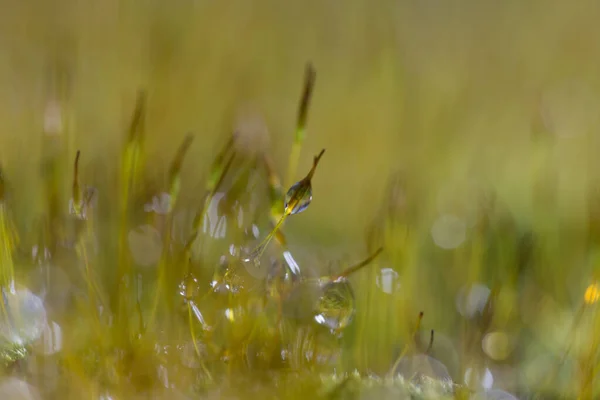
(130, 173)
(310, 76)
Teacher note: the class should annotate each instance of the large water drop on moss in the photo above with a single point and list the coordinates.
(298, 197)
(336, 305)
(421, 365)
(22, 321)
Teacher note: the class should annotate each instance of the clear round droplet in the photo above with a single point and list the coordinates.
(471, 300)
(145, 245)
(189, 355)
(493, 394)
(16, 389)
(51, 340)
(448, 231)
(163, 375)
(298, 197)
(53, 123)
(336, 305)
(24, 320)
(230, 277)
(497, 345)
(479, 379)
(160, 204)
(215, 223)
(421, 365)
(189, 287)
(253, 267)
(106, 396)
(52, 285)
(388, 280)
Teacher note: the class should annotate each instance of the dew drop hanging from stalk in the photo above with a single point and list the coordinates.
(299, 195)
(297, 199)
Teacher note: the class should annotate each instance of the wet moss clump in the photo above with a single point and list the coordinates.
(142, 293)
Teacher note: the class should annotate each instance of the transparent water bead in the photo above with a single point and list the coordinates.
(189, 288)
(215, 222)
(24, 320)
(471, 300)
(335, 307)
(88, 201)
(448, 231)
(479, 379)
(497, 345)
(145, 245)
(15, 389)
(160, 204)
(299, 197)
(52, 285)
(189, 356)
(53, 118)
(388, 280)
(51, 340)
(493, 394)
(421, 365)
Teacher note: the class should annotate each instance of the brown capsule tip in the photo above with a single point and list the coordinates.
(76, 164)
(318, 157)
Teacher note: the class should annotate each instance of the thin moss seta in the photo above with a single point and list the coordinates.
(276, 196)
(344, 274)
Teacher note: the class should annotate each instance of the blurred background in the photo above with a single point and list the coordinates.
(458, 97)
(440, 90)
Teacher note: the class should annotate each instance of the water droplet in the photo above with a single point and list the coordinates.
(106, 396)
(51, 340)
(421, 365)
(53, 123)
(25, 318)
(460, 198)
(336, 305)
(88, 202)
(163, 375)
(493, 394)
(497, 345)
(145, 245)
(255, 231)
(388, 280)
(279, 281)
(298, 197)
(52, 285)
(472, 300)
(253, 267)
(189, 287)
(189, 357)
(228, 279)
(291, 263)
(479, 379)
(215, 224)
(40, 256)
(160, 204)
(15, 389)
(448, 231)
